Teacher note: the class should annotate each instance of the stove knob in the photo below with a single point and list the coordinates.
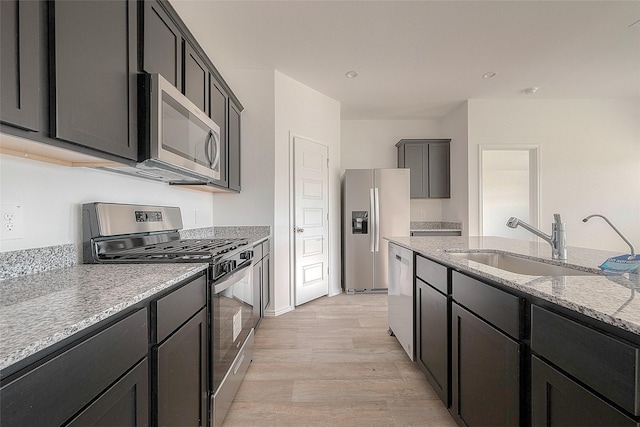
(246, 255)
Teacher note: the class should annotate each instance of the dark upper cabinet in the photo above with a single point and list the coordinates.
(429, 162)
(162, 47)
(219, 106)
(233, 165)
(93, 75)
(196, 78)
(20, 82)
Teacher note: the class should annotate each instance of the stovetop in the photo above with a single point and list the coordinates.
(184, 250)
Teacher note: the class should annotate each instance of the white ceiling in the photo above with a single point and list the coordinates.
(419, 59)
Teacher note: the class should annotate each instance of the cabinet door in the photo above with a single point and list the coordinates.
(93, 68)
(162, 51)
(233, 167)
(556, 400)
(438, 170)
(414, 159)
(20, 63)
(181, 375)
(266, 289)
(196, 79)
(432, 337)
(124, 404)
(219, 105)
(485, 373)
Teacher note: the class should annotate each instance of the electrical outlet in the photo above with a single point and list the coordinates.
(12, 224)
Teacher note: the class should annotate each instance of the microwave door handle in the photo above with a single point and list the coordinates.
(207, 150)
(215, 146)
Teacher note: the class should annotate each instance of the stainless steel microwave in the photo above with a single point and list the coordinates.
(177, 143)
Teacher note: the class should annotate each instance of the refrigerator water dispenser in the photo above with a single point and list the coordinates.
(359, 222)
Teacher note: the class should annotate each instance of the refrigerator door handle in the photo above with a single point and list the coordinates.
(372, 234)
(377, 219)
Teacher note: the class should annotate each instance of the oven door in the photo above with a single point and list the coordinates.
(232, 301)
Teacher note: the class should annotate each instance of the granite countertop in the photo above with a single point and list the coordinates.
(39, 310)
(610, 299)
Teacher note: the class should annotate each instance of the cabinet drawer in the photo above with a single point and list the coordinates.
(266, 247)
(607, 365)
(497, 307)
(177, 307)
(432, 273)
(56, 390)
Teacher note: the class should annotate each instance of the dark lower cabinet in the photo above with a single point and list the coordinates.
(485, 373)
(93, 63)
(432, 337)
(556, 400)
(181, 375)
(88, 373)
(125, 404)
(20, 83)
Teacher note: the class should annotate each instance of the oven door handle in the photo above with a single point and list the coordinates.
(226, 281)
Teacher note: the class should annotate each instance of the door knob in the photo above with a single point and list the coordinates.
(298, 229)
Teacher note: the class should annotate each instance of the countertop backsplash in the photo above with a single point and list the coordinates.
(435, 225)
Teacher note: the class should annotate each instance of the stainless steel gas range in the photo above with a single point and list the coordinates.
(124, 233)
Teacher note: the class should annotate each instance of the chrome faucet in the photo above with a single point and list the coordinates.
(557, 240)
(633, 251)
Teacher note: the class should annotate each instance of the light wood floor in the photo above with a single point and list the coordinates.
(331, 363)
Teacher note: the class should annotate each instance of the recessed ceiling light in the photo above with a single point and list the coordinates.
(489, 75)
(352, 74)
(530, 90)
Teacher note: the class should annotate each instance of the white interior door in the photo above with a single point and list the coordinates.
(311, 225)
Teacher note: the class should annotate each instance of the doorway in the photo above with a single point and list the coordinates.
(509, 186)
(310, 220)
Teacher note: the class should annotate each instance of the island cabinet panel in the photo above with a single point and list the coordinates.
(557, 400)
(93, 75)
(162, 47)
(55, 391)
(607, 365)
(20, 82)
(486, 373)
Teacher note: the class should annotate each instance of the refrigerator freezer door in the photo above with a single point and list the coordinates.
(393, 216)
(357, 247)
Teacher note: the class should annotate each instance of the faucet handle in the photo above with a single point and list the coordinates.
(557, 219)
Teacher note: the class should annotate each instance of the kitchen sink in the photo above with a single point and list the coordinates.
(519, 265)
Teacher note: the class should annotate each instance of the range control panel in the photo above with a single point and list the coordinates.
(148, 216)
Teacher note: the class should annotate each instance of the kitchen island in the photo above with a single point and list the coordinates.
(502, 348)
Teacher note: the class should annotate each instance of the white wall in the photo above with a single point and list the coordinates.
(372, 144)
(304, 112)
(254, 205)
(455, 124)
(52, 195)
(589, 161)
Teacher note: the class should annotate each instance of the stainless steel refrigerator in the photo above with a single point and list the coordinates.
(375, 203)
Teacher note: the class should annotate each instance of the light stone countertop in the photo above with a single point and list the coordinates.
(610, 299)
(39, 310)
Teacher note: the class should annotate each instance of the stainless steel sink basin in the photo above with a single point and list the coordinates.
(519, 265)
